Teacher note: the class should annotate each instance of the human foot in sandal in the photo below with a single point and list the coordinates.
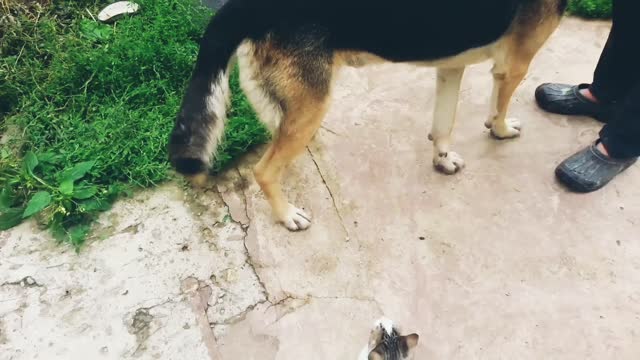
(591, 169)
(571, 100)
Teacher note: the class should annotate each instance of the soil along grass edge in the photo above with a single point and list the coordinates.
(93, 105)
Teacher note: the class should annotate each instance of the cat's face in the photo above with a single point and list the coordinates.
(385, 343)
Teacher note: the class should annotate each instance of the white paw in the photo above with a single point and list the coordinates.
(448, 163)
(510, 129)
(295, 219)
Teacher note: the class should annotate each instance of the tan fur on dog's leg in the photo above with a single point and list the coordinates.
(512, 61)
(444, 117)
(297, 129)
(506, 78)
(289, 91)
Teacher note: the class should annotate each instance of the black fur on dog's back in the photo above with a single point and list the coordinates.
(400, 31)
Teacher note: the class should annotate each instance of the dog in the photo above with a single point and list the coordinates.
(289, 52)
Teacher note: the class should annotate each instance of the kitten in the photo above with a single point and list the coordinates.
(385, 343)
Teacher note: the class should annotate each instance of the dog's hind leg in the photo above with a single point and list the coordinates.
(299, 124)
(293, 87)
(444, 117)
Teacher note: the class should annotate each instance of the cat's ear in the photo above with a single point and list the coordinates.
(410, 341)
(376, 354)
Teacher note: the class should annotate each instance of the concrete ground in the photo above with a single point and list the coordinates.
(497, 262)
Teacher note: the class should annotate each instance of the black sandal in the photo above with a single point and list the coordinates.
(567, 100)
(590, 170)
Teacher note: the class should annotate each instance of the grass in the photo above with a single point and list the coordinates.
(88, 107)
(594, 9)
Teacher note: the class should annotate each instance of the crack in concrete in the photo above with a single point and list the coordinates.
(245, 229)
(286, 302)
(198, 295)
(239, 317)
(25, 282)
(325, 128)
(243, 315)
(131, 229)
(248, 258)
(333, 199)
(353, 298)
(307, 299)
(290, 309)
(140, 325)
(201, 306)
(289, 298)
(168, 301)
(58, 265)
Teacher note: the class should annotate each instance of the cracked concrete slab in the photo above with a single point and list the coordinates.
(496, 262)
(123, 297)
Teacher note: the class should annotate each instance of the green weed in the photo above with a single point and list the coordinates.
(87, 108)
(597, 9)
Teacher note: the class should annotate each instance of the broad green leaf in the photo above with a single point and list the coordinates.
(78, 234)
(78, 171)
(58, 232)
(85, 192)
(49, 157)
(30, 161)
(38, 202)
(66, 187)
(10, 218)
(6, 198)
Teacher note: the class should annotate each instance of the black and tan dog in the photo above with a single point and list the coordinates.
(290, 50)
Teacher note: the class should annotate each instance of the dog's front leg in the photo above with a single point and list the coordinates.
(444, 117)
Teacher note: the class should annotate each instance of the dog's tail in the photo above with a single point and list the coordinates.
(200, 122)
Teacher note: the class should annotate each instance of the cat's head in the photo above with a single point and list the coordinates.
(386, 343)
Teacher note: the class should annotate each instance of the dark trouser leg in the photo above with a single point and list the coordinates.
(618, 69)
(621, 137)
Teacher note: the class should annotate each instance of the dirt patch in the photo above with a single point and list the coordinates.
(200, 202)
(141, 328)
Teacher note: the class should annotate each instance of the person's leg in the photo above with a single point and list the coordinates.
(617, 149)
(617, 70)
(621, 137)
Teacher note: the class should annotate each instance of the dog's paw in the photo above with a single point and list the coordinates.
(448, 163)
(509, 129)
(295, 219)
